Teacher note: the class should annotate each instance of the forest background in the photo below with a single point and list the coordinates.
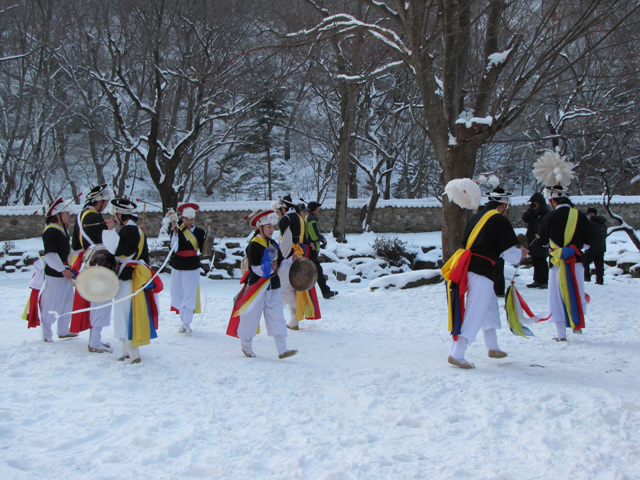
(211, 100)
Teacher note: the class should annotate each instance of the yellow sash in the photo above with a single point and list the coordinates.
(569, 230)
(302, 225)
(260, 240)
(190, 236)
(453, 261)
(56, 226)
(555, 252)
(141, 330)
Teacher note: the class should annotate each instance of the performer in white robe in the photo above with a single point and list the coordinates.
(264, 261)
(496, 239)
(56, 297)
(186, 240)
(87, 234)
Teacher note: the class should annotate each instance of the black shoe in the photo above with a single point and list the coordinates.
(533, 285)
(543, 286)
(329, 294)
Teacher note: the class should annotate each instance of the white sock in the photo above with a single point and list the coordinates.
(95, 337)
(246, 346)
(47, 331)
(459, 347)
(281, 343)
(491, 338)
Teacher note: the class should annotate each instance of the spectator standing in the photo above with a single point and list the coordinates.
(538, 252)
(598, 247)
(317, 241)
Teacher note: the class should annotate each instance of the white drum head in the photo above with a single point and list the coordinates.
(97, 284)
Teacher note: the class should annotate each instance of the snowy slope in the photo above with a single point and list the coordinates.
(369, 396)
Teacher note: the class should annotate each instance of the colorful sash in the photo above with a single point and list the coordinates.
(82, 320)
(565, 259)
(143, 320)
(519, 313)
(250, 295)
(307, 305)
(31, 310)
(455, 273)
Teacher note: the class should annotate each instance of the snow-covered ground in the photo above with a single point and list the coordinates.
(369, 396)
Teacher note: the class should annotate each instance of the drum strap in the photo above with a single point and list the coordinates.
(81, 216)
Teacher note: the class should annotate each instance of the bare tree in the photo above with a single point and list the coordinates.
(479, 65)
(168, 77)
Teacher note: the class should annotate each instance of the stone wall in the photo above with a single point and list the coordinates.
(17, 224)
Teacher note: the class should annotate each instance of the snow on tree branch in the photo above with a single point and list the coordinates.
(375, 74)
(342, 22)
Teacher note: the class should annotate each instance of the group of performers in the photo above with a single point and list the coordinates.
(135, 307)
(489, 236)
(265, 286)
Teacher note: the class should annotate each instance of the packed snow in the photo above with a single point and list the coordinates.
(369, 395)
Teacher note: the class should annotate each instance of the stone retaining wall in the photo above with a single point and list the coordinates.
(225, 223)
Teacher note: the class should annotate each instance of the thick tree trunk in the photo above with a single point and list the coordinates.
(348, 102)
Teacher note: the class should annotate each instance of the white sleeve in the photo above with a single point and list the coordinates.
(257, 269)
(513, 255)
(110, 240)
(286, 240)
(286, 263)
(173, 243)
(52, 260)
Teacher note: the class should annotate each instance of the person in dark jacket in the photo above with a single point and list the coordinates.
(494, 239)
(566, 230)
(56, 298)
(87, 234)
(538, 252)
(261, 294)
(131, 326)
(596, 252)
(316, 241)
(186, 241)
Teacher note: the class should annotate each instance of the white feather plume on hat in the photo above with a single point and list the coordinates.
(552, 169)
(464, 192)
